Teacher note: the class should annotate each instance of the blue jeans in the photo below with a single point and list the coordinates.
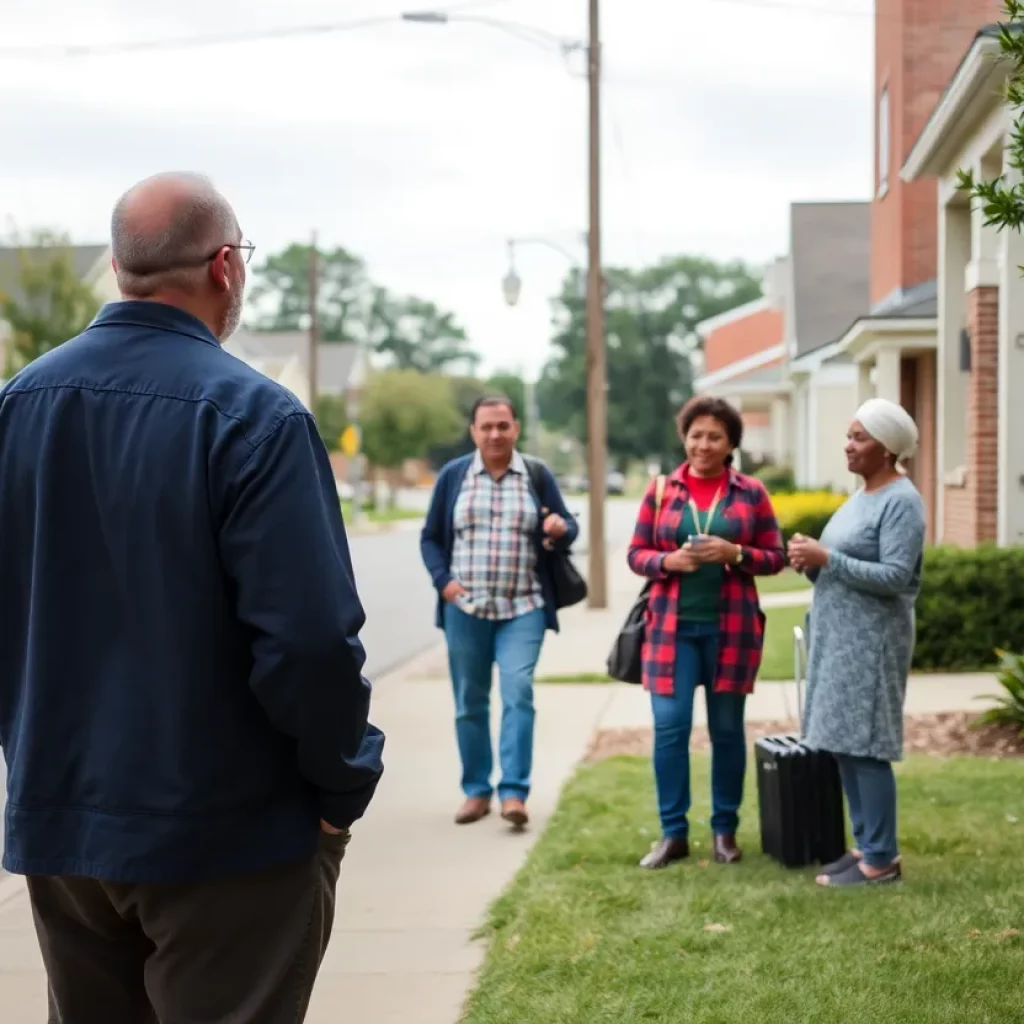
(870, 789)
(474, 645)
(696, 659)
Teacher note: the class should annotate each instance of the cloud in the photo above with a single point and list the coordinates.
(423, 148)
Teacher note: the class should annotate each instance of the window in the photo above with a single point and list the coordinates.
(883, 147)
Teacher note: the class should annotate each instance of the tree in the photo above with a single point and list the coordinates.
(413, 334)
(331, 419)
(1002, 201)
(280, 295)
(464, 393)
(404, 414)
(408, 332)
(47, 302)
(650, 320)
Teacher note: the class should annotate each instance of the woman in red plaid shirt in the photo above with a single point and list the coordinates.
(702, 544)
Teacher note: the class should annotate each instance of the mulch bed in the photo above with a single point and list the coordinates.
(941, 735)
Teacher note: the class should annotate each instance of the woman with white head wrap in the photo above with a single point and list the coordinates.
(866, 571)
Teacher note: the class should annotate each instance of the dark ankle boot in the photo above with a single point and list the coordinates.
(665, 852)
(726, 850)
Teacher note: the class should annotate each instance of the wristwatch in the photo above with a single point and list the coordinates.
(739, 555)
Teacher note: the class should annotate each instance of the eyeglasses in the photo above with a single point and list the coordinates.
(245, 246)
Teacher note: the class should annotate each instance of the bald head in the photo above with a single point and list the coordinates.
(165, 229)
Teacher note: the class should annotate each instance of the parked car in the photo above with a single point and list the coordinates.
(616, 483)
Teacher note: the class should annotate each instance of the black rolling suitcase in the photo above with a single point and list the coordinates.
(799, 794)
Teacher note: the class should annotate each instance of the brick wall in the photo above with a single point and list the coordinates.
(927, 459)
(742, 338)
(918, 46)
(917, 395)
(971, 511)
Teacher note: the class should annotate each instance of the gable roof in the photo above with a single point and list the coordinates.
(84, 259)
(976, 86)
(831, 260)
(274, 349)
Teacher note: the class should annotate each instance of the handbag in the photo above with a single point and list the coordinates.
(569, 586)
(625, 662)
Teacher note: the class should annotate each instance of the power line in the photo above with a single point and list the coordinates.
(333, 28)
(191, 42)
(219, 39)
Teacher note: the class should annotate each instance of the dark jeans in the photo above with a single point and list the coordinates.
(696, 658)
(474, 645)
(870, 789)
(243, 950)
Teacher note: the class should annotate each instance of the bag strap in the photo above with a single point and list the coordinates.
(659, 497)
(535, 472)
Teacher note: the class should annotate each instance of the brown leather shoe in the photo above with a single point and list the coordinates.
(666, 852)
(514, 812)
(475, 808)
(726, 850)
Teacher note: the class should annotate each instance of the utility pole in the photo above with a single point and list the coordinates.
(597, 397)
(314, 326)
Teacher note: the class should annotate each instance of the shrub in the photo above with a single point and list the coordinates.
(971, 606)
(1008, 709)
(778, 479)
(805, 512)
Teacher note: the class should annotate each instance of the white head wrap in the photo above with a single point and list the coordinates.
(890, 425)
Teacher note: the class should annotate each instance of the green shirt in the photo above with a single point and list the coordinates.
(700, 592)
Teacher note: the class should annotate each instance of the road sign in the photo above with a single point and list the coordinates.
(350, 440)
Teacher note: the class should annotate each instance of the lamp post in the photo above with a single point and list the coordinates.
(597, 414)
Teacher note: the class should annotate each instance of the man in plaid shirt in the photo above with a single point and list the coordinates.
(487, 544)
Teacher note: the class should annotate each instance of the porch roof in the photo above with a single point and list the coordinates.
(975, 89)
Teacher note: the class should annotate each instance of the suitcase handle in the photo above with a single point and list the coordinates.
(800, 667)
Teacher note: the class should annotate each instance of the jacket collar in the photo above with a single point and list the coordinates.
(517, 465)
(681, 476)
(156, 315)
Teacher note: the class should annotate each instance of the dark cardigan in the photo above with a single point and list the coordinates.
(438, 537)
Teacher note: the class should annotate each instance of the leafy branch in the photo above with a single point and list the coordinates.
(1002, 201)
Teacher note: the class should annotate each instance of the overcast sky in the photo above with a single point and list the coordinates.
(422, 148)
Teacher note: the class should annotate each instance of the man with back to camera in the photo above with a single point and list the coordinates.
(487, 542)
(182, 709)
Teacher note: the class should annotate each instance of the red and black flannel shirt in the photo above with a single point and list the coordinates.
(742, 622)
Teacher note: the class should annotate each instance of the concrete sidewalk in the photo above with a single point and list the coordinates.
(414, 887)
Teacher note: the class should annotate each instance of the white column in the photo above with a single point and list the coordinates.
(888, 376)
(983, 269)
(1010, 519)
(951, 400)
(780, 430)
(865, 389)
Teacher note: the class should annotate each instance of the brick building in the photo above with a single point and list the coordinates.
(894, 343)
(980, 332)
(743, 362)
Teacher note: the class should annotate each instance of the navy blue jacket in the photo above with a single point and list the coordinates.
(438, 536)
(181, 694)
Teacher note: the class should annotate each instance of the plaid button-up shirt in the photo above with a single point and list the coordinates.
(741, 621)
(495, 551)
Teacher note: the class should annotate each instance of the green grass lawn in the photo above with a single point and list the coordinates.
(777, 662)
(585, 937)
(380, 515)
(785, 583)
(778, 650)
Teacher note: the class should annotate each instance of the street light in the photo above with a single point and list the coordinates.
(597, 398)
(512, 283)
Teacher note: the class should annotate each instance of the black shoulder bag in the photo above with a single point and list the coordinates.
(625, 662)
(570, 587)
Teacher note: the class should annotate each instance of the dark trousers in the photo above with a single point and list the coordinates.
(870, 788)
(696, 661)
(240, 950)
